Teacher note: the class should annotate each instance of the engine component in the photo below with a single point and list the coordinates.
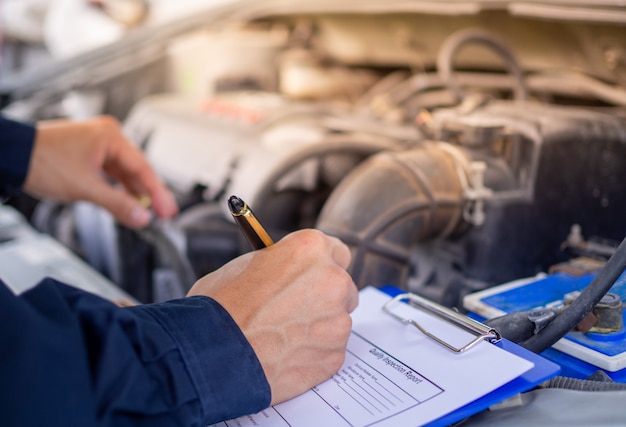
(27, 256)
(548, 168)
(383, 226)
(284, 157)
(579, 353)
(606, 316)
(518, 175)
(457, 40)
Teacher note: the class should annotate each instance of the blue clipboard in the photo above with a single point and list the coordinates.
(543, 370)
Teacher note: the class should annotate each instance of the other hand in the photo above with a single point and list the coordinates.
(71, 160)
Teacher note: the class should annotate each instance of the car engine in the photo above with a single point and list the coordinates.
(454, 146)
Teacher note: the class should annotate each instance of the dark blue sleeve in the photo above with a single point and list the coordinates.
(16, 143)
(69, 358)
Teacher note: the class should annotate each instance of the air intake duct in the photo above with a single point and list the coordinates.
(393, 201)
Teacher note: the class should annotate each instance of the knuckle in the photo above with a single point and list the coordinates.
(344, 327)
(108, 126)
(340, 279)
(313, 237)
(338, 287)
(306, 243)
(107, 122)
(336, 361)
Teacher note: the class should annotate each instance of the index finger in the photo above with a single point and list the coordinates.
(131, 168)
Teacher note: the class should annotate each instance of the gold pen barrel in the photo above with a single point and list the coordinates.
(258, 229)
(249, 224)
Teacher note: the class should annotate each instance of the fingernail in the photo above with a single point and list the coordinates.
(140, 216)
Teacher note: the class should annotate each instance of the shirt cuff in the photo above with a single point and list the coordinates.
(16, 144)
(222, 365)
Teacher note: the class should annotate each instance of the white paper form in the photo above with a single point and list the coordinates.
(393, 375)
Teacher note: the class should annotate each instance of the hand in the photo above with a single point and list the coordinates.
(68, 161)
(292, 301)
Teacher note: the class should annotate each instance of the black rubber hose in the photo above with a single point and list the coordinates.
(514, 327)
(155, 234)
(457, 40)
(390, 203)
(582, 305)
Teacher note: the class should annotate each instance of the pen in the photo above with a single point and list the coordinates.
(249, 225)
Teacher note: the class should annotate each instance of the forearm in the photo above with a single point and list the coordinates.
(225, 372)
(80, 360)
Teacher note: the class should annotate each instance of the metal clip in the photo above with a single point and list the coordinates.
(482, 331)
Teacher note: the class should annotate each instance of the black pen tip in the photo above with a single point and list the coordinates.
(235, 204)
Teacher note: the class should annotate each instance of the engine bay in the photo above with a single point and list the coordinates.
(454, 147)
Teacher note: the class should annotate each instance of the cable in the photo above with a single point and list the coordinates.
(582, 305)
(568, 383)
(162, 237)
(457, 40)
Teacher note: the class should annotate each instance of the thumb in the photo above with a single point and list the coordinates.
(125, 208)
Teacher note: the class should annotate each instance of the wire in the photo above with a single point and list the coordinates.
(582, 305)
(457, 40)
(162, 236)
(567, 383)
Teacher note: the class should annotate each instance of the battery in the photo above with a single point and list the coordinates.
(579, 354)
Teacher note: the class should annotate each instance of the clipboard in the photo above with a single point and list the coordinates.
(543, 368)
(395, 377)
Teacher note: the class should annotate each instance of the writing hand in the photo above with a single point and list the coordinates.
(292, 301)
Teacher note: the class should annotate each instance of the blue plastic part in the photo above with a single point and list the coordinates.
(550, 291)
